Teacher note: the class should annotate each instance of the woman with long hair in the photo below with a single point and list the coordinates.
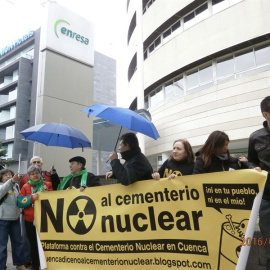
(215, 155)
(181, 162)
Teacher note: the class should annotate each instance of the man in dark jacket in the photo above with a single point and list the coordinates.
(136, 166)
(259, 158)
(79, 177)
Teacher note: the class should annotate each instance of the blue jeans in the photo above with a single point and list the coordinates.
(11, 228)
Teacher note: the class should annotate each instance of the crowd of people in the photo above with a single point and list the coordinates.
(18, 195)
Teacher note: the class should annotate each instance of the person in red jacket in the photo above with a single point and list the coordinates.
(48, 176)
(26, 200)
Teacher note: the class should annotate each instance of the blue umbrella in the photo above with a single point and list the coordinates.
(125, 118)
(53, 134)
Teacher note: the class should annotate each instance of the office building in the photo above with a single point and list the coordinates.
(206, 67)
(46, 76)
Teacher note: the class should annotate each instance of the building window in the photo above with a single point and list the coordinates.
(10, 132)
(174, 88)
(132, 26)
(244, 60)
(12, 113)
(15, 75)
(166, 35)
(189, 20)
(202, 13)
(176, 26)
(262, 55)
(148, 5)
(4, 99)
(169, 90)
(157, 42)
(151, 47)
(171, 32)
(218, 5)
(225, 67)
(206, 75)
(9, 150)
(12, 95)
(4, 116)
(155, 45)
(156, 97)
(192, 80)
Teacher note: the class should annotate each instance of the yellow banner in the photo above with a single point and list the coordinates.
(196, 221)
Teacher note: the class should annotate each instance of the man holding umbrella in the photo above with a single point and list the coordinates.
(79, 177)
(136, 166)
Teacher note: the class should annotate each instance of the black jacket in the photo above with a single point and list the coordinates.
(177, 167)
(259, 153)
(135, 168)
(218, 165)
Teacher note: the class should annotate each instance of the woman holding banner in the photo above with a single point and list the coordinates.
(181, 162)
(215, 156)
(26, 200)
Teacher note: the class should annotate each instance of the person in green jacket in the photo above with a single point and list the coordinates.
(79, 177)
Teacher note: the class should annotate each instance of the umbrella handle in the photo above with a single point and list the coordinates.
(117, 138)
(116, 142)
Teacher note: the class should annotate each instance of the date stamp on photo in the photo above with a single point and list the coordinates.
(249, 241)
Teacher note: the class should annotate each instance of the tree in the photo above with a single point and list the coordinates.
(3, 154)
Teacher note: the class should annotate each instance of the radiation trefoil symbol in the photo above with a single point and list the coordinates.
(81, 215)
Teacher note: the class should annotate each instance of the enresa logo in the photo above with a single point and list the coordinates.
(67, 32)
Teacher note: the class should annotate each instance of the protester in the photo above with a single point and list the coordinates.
(26, 200)
(136, 166)
(259, 158)
(10, 220)
(180, 163)
(48, 176)
(79, 177)
(51, 177)
(215, 156)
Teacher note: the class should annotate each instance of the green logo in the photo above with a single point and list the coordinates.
(67, 32)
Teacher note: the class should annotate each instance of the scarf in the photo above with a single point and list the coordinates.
(222, 156)
(84, 174)
(38, 184)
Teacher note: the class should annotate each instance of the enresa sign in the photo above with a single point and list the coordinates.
(68, 34)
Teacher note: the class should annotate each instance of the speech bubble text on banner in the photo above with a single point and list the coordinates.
(230, 196)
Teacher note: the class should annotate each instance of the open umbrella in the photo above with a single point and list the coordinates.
(53, 134)
(125, 118)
